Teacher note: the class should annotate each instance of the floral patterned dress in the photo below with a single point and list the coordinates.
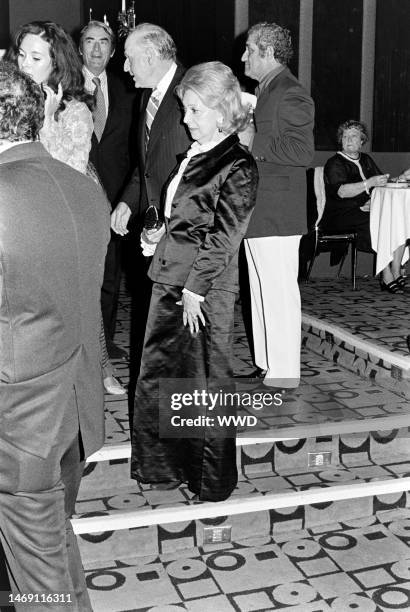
(69, 138)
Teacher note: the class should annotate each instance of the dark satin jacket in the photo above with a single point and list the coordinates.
(210, 213)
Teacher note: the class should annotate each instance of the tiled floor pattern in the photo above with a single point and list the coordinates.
(361, 566)
(364, 331)
(379, 317)
(123, 495)
(327, 394)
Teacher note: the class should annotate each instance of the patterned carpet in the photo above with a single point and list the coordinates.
(365, 331)
(362, 565)
(320, 557)
(367, 313)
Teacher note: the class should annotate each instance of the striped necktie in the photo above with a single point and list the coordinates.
(99, 114)
(150, 112)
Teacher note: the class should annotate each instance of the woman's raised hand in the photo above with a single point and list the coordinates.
(52, 101)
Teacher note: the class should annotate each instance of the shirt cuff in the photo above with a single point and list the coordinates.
(148, 249)
(198, 297)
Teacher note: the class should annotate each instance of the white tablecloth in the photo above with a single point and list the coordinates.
(389, 223)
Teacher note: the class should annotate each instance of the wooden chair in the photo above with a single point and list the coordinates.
(322, 240)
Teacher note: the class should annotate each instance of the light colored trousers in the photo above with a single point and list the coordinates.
(273, 264)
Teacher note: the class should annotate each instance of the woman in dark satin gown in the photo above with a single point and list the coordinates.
(208, 203)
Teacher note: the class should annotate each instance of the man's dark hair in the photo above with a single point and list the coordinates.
(266, 35)
(21, 105)
(98, 24)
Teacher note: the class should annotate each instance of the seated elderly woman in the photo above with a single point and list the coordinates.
(349, 176)
(208, 202)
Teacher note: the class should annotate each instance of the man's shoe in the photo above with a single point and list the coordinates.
(115, 352)
(113, 386)
(258, 373)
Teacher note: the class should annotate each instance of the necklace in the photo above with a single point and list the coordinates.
(350, 156)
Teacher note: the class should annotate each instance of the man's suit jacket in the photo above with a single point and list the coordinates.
(54, 230)
(210, 213)
(111, 155)
(168, 138)
(283, 146)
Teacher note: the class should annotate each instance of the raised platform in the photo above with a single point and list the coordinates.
(363, 421)
(363, 426)
(364, 331)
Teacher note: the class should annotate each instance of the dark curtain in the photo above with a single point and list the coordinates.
(391, 125)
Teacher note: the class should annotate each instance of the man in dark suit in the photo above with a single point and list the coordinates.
(151, 60)
(283, 147)
(109, 153)
(54, 230)
(150, 56)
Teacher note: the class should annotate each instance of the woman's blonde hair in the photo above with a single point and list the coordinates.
(219, 89)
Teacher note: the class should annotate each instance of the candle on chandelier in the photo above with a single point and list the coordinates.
(123, 8)
(91, 14)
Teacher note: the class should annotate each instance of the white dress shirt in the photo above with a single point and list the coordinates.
(162, 87)
(195, 149)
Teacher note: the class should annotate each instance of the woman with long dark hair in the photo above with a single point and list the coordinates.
(44, 51)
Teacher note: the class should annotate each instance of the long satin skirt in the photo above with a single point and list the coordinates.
(207, 463)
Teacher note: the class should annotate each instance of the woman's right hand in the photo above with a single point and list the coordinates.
(192, 313)
(379, 180)
(52, 101)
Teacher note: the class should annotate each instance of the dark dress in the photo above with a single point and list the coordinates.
(344, 214)
(199, 251)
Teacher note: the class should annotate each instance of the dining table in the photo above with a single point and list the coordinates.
(389, 222)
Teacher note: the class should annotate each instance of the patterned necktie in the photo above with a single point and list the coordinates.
(99, 114)
(151, 111)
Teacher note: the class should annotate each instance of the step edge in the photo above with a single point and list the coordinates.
(132, 519)
(110, 452)
(372, 349)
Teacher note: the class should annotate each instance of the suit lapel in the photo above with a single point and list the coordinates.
(112, 101)
(112, 104)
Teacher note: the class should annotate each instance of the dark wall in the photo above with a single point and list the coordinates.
(202, 29)
(4, 24)
(336, 66)
(391, 125)
(66, 12)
